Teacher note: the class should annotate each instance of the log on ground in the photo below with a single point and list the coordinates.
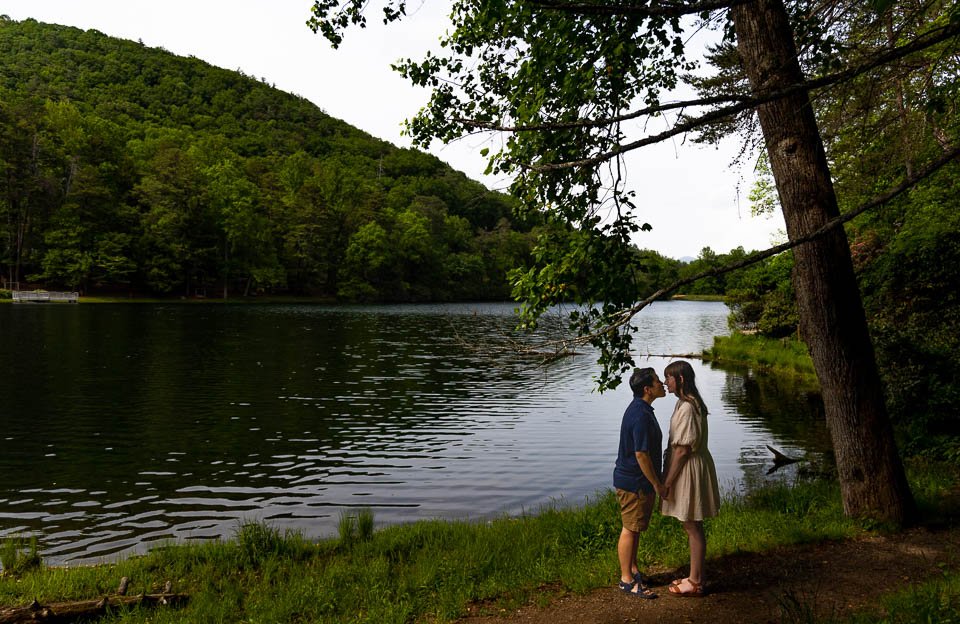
(72, 611)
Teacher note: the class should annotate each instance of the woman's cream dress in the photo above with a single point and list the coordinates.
(695, 494)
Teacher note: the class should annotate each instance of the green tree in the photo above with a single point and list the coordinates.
(247, 250)
(368, 265)
(657, 272)
(763, 298)
(89, 236)
(305, 225)
(27, 190)
(905, 252)
(567, 81)
(909, 269)
(178, 244)
(338, 200)
(713, 285)
(501, 250)
(415, 252)
(880, 128)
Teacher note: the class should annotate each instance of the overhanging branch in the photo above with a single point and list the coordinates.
(653, 9)
(563, 346)
(625, 316)
(744, 103)
(593, 123)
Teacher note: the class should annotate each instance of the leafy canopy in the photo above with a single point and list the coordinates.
(560, 83)
(573, 85)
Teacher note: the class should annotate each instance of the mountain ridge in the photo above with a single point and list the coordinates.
(166, 174)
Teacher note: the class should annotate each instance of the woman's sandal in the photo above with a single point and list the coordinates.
(642, 591)
(696, 592)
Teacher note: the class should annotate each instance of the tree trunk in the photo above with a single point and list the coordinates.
(832, 320)
(23, 225)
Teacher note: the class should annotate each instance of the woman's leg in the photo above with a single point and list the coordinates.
(698, 548)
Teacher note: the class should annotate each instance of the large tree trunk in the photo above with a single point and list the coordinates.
(832, 320)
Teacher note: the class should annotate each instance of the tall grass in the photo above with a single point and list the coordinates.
(354, 528)
(347, 529)
(783, 355)
(431, 570)
(364, 524)
(935, 601)
(19, 555)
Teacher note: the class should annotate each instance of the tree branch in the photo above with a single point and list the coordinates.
(590, 123)
(744, 103)
(563, 346)
(654, 9)
(625, 316)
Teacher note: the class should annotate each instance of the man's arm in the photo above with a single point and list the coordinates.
(646, 466)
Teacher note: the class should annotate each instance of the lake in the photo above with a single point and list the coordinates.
(123, 426)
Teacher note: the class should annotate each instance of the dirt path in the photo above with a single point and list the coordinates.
(833, 579)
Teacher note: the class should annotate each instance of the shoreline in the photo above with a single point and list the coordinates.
(282, 299)
(447, 570)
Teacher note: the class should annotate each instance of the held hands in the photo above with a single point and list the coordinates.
(662, 490)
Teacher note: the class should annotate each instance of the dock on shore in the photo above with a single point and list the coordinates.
(44, 296)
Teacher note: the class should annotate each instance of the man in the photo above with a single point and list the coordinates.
(636, 476)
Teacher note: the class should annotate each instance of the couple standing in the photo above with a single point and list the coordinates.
(686, 480)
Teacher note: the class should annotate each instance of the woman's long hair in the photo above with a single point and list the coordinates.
(686, 381)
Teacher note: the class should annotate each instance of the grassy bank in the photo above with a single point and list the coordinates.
(682, 297)
(208, 300)
(430, 571)
(780, 355)
(6, 297)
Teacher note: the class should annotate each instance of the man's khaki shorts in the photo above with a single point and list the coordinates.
(635, 509)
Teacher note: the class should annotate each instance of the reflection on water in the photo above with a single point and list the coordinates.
(125, 425)
(788, 409)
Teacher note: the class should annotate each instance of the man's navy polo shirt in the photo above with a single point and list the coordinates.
(639, 431)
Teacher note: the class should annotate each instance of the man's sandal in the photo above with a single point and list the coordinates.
(642, 591)
(696, 592)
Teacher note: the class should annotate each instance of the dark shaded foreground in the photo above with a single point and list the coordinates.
(788, 584)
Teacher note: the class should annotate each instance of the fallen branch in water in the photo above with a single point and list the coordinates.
(779, 460)
(509, 344)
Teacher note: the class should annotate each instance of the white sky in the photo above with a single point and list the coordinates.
(689, 194)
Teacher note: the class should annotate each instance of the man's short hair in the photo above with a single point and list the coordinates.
(640, 379)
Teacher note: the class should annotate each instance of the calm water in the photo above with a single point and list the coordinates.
(122, 426)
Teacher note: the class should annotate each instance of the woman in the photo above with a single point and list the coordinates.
(691, 482)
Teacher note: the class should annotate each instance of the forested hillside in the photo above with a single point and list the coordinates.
(127, 169)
